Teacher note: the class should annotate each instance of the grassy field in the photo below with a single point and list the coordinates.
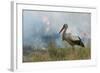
(57, 54)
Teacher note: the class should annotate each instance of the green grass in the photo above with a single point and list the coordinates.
(57, 54)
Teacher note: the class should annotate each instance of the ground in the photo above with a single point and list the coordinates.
(57, 54)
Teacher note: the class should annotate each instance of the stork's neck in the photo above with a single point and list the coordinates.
(63, 34)
(64, 31)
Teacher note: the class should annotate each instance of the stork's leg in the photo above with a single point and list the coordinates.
(73, 49)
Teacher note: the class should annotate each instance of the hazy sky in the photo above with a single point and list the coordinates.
(39, 25)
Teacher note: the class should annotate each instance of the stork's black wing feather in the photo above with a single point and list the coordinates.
(78, 42)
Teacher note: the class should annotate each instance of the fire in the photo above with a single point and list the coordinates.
(47, 22)
(45, 19)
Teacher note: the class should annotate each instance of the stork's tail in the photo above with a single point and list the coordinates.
(81, 43)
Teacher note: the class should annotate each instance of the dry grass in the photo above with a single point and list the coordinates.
(57, 54)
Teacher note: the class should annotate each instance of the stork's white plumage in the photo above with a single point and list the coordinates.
(71, 39)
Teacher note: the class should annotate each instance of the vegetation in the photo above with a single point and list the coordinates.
(57, 54)
(52, 53)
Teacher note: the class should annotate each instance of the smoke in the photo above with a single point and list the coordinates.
(40, 27)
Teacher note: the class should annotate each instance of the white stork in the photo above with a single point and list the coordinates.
(72, 40)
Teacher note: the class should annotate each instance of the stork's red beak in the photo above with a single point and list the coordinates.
(61, 29)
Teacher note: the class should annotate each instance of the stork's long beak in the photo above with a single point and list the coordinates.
(61, 29)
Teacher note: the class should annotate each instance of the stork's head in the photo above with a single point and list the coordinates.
(65, 26)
